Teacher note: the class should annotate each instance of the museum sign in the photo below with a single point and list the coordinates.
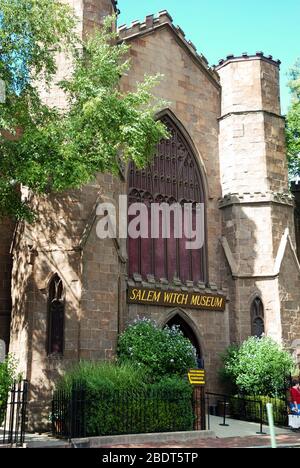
(189, 300)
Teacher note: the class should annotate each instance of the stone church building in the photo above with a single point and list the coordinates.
(66, 295)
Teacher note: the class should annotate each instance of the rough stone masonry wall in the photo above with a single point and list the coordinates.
(63, 241)
(32, 273)
(289, 281)
(296, 193)
(242, 154)
(94, 11)
(103, 278)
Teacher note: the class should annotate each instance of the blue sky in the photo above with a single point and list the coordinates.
(221, 27)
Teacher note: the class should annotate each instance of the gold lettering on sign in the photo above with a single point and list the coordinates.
(170, 299)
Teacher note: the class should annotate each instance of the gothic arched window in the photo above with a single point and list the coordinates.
(173, 176)
(257, 318)
(56, 317)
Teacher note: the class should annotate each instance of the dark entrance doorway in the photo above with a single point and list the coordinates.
(187, 332)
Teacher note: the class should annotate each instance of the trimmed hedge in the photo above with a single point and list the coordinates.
(114, 405)
(158, 408)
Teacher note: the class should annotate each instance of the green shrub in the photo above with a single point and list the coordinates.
(162, 407)
(102, 375)
(7, 376)
(160, 352)
(258, 367)
(119, 401)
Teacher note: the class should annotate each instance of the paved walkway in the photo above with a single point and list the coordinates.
(238, 434)
(283, 440)
(239, 428)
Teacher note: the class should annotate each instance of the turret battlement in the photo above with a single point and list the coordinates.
(246, 57)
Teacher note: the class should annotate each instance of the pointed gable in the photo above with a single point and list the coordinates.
(165, 22)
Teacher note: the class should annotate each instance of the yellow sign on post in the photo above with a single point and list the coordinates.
(197, 376)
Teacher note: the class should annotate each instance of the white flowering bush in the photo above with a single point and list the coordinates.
(259, 366)
(160, 352)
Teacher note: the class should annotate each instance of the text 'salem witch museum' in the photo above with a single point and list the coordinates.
(71, 294)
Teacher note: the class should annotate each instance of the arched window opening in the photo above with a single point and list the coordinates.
(56, 317)
(187, 332)
(257, 318)
(173, 176)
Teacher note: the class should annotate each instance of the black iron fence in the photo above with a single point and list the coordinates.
(83, 413)
(246, 408)
(68, 413)
(13, 415)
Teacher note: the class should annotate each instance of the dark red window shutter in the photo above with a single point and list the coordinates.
(172, 177)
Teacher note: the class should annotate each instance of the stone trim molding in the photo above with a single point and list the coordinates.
(164, 20)
(286, 238)
(229, 256)
(274, 273)
(176, 285)
(257, 111)
(281, 198)
(90, 224)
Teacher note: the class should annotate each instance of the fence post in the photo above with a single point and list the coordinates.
(208, 412)
(23, 411)
(261, 418)
(12, 413)
(224, 413)
(199, 400)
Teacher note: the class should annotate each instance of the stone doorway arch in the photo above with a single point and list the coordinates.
(188, 328)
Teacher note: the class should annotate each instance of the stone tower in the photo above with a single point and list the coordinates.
(258, 221)
(90, 15)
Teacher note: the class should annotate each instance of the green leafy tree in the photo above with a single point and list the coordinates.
(50, 149)
(7, 376)
(258, 367)
(161, 352)
(293, 122)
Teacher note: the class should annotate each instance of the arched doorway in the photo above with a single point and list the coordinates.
(187, 331)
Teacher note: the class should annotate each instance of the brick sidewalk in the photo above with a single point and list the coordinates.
(234, 442)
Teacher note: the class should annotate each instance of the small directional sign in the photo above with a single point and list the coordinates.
(197, 376)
